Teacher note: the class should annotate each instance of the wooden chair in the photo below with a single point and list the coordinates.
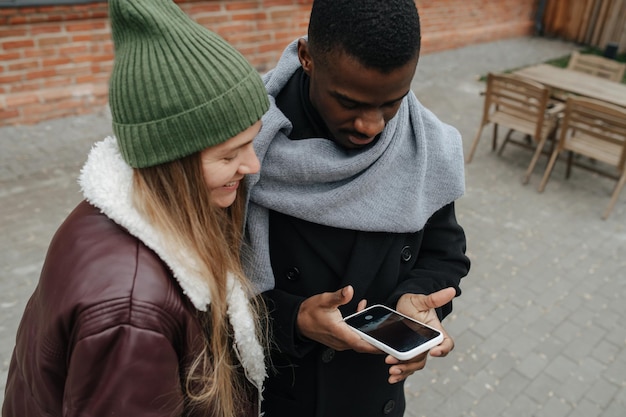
(596, 130)
(522, 106)
(597, 65)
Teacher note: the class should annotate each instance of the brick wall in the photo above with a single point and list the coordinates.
(448, 24)
(55, 60)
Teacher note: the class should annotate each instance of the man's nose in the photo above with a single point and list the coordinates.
(370, 123)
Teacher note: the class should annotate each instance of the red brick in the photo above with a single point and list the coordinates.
(241, 5)
(18, 44)
(45, 29)
(12, 32)
(8, 56)
(72, 70)
(17, 20)
(91, 37)
(102, 68)
(99, 14)
(55, 40)
(90, 58)
(55, 94)
(24, 86)
(45, 73)
(233, 28)
(39, 108)
(272, 46)
(277, 3)
(85, 79)
(210, 21)
(72, 49)
(56, 61)
(251, 17)
(212, 7)
(101, 90)
(9, 79)
(18, 100)
(8, 114)
(251, 37)
(27, 10)
(23, 65)
(39, 52)
(61, 81)
(67, 104)
(85, 27)
(49, 9)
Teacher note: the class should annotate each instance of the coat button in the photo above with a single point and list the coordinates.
(406, 254)
(389, 406)
(292, 274)
(328, 355)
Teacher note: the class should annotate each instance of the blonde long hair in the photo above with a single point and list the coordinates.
(176, 200)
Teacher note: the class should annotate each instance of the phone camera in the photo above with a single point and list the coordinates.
(369, 317)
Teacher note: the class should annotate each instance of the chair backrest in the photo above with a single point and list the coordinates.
(597, 65)
(595, 129)
(521, 103)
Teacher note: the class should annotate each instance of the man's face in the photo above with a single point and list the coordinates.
(355, 102)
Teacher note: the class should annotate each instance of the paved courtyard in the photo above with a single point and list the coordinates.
(540, 328)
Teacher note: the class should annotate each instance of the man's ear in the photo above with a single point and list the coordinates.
(304, 56)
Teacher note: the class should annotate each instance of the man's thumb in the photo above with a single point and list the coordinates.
(344, 295)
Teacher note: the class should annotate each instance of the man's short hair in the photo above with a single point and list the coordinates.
(380, 34)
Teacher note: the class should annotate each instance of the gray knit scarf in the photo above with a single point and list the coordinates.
(395, 185)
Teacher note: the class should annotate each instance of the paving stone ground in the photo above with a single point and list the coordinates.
(540, 327)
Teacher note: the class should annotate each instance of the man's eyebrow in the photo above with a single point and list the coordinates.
(343, 97)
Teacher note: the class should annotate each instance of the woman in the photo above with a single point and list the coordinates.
(142, 308)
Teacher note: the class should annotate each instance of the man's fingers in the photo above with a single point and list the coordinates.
(439, 298)
(345, 295)
(332, 300)
(443, 349)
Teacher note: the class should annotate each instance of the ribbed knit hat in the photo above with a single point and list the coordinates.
(176, 87)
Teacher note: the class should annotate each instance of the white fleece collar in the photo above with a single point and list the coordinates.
(106, 181)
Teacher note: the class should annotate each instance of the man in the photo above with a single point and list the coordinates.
(354, 206)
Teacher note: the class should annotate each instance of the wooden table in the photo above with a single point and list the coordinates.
(576, 82)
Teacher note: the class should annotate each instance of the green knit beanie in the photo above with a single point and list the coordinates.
(176, 87)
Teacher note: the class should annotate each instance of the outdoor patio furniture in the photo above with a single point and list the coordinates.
(597, 65)
(523, 106)
(575, 82)
(596, 130)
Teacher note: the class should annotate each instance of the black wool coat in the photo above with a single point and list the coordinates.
(309, 379)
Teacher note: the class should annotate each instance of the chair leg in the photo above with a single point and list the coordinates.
(533, 161)
(474, 144)
(494, 139)
(616, 191)
(546, 175)
(553, 139)
(570, 160)
(506, 140)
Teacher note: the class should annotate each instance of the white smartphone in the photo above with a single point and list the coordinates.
(396, 334)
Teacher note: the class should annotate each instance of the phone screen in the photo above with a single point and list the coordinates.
(392, 329)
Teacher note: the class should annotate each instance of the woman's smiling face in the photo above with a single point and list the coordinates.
(226, 164)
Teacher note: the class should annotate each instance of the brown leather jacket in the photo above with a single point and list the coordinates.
(107, 332)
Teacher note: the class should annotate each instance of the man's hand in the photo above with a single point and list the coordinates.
(421, 308)
(319, 319)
